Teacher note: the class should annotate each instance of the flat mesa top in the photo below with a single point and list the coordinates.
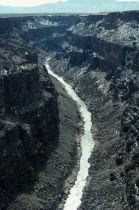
(48, 14)
(7, 15)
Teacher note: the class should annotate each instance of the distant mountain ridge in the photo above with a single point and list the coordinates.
(75, 6)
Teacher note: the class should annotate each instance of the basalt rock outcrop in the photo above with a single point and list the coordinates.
(29, 121)
(98, 55)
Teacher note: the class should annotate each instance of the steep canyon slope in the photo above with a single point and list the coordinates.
(37, 136)
(99, 56)
(29, 113)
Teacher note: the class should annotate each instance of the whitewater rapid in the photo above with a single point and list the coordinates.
(87, 144)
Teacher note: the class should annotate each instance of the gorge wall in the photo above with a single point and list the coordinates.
(98, 55)
(28, 113)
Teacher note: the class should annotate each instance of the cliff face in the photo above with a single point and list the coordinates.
(98, 55)
(29, 121)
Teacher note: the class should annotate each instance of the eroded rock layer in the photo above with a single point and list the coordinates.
(29, 121)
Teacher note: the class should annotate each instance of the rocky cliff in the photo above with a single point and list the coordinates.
(98, 55)
(29, 121)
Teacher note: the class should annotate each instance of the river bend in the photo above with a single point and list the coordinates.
(87, 144)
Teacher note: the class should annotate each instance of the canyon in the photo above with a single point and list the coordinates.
(98, 55)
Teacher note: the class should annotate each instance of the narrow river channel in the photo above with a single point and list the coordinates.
(87, 144)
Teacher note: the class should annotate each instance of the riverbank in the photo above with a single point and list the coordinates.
(70, 180)
(87, 144)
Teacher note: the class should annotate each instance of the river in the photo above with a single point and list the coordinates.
(87, 144)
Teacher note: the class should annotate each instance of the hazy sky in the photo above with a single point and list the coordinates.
(30, 3)
(128, 0)
(27, 3)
